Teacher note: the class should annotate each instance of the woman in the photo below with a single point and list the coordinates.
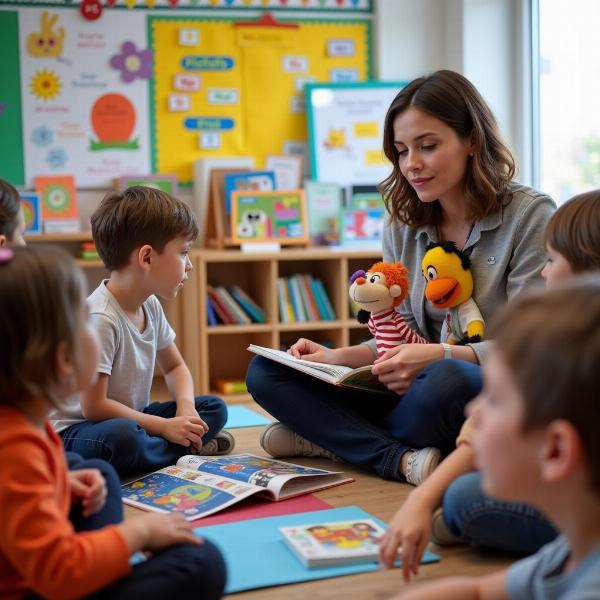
(451, 180)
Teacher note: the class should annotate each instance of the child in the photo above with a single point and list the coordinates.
(12, 222)
(536, 441)
(61, 534)
(572, 239)
(143, 236)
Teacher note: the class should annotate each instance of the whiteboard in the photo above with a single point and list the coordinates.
(345, 130)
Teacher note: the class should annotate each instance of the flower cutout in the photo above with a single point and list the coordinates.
(56, 158)
(42, 136)
(132, 62)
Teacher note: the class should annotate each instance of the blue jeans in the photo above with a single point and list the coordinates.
(369, 430)
(184, 570)
(129, 448)
(488, 523)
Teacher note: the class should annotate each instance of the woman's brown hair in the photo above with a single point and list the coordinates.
(451, 98)
(574, 232)
(42, 295)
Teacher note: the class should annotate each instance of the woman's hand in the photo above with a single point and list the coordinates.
(409, 530)
(309, 350)
(399, 366)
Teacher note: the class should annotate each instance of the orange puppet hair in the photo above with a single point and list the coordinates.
(395, 273)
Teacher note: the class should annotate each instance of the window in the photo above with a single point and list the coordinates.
(569, 96)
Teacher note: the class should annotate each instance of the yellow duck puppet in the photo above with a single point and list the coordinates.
(450, 285)
(378, 291)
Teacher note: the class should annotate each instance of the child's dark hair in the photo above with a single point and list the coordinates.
(574, 232)
(10, 205)
(42, 295)
(454, 100)
(139, 215)
(551, 344)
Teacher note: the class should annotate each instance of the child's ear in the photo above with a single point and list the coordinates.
(64, 362)
(3, 240)
(145, 255)
(561, 453)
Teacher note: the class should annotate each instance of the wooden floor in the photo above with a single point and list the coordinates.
(380, 498)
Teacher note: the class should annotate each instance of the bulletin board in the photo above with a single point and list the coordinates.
(248, 98)
(345, 129)
(112, 96)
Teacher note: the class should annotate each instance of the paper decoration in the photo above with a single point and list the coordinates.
(324, 202)
(179, 103)
(287, 169)
(59, 205)
(186, 83)
(166, 183)
(132, 63)
(90, 9)
(32, 212)
(189, 37)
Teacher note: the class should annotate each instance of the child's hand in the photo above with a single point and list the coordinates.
(156, 531)
(185, 430)
(309, 350)
(89, 488)
(409, 528)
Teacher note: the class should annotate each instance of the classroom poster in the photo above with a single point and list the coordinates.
(345, 124)
(236, 88)
(84, 89)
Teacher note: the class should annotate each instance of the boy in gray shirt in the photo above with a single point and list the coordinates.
(143, 236)
(537, 442)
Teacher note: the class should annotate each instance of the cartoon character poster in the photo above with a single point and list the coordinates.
(84, 93)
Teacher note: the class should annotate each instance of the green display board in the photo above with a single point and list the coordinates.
(11, 146)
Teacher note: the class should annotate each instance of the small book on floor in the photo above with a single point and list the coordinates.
(360, 378)
(198, 486)
(334, 544)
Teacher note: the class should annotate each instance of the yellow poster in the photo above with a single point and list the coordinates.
(225, 88)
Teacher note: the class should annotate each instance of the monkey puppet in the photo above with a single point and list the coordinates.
(447, 272)
(378, 292)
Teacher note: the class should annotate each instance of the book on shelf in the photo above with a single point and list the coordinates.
(286, 312)
(335, 543)
(230, 386)
(254, 311)
(322, 292)
(211, 314)
(360, 378)
(223, 311)
(198, 486)
(295, 297)
(241, 318)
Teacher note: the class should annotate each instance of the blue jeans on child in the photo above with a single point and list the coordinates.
(369, 430)
(129, 448)
(489, 523)
(184, 570)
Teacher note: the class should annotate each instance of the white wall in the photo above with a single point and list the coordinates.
(485, 40)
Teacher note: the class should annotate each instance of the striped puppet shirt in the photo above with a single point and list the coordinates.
(390, 330)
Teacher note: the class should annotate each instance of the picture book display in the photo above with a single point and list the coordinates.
(32, 212)
(278, 217)
(198, 486)
(361, 378)
(336, 543)
(249, 181)
(60, 213)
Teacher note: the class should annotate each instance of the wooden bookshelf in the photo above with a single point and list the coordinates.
(220, 350)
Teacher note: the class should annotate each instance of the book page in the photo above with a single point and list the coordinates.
(335, 372)
(266, 473)
(191, 493)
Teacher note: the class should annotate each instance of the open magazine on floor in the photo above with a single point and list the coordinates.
(198, 486)
(360, 378)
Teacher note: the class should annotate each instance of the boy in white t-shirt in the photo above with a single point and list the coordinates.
(143, 236)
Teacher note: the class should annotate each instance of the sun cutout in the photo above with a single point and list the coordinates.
(46, 85)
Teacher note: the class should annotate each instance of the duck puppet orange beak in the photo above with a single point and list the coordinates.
(442, 292)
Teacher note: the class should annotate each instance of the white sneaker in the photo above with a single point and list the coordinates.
(440, 533)
(222, 443)
(280, 442)
(421, 464)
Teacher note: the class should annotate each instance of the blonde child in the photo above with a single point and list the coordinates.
(12, 222)
(61, 534)
(572, 239)
(143, 236)
(536, 441)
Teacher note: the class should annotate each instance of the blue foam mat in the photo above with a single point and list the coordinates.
(257, 557)
(241, 416)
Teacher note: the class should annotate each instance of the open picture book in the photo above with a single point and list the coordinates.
(360, 378)
(334, 544)
(198, 486)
